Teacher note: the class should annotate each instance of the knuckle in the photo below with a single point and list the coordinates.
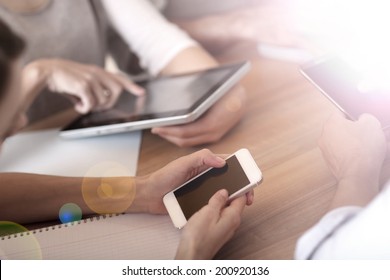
(178, 142)
(181, 133)
(89, 77)
(235, 220)
(116, 90)
(209, 212)
(181, 143)
(217, 137)
(205, 151)
(220, 198)
(93, 69)
(84, 86)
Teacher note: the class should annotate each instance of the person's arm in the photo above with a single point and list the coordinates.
(355, 152)
(27, 198)
(89, 86)
(30, 197)
(166, 50)
(149, 35)
(269, 23)
(212, 31)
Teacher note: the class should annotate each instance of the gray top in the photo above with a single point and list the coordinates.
(70, 29)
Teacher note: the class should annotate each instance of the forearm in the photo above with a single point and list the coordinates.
(27, 198)
(189, 60)
(214, 37)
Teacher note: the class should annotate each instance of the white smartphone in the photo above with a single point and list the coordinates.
(238, 176)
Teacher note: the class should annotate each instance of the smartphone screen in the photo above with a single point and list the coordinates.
(196, 194)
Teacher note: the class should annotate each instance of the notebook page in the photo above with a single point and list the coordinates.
(129, 236)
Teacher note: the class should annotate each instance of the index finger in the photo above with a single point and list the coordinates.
(129, 85)
(201, 160)
(190, 166)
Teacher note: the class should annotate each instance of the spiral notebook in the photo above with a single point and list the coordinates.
(118, 237)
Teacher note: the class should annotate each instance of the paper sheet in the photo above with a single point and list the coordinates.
(45, 152)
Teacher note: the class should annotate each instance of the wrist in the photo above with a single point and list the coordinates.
(34, 78)
(186, 252)
(38, 70)
(140, 203)
(355, 191)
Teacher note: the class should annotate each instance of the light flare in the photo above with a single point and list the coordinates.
(355, 30)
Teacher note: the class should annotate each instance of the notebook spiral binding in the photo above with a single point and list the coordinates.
(36, 231)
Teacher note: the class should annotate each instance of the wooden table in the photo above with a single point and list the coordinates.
(283, 122)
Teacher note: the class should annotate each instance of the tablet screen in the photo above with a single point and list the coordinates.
(350, 90)
(165, 97)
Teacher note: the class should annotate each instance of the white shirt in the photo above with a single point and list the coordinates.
(350, 233)
(155, 40)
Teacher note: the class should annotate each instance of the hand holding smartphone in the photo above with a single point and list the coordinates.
(239, 175)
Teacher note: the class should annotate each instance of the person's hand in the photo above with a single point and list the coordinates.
(157, 184)
(211, 227)
(89, 86)
(355, 152)
(212, 126)
(353, 149)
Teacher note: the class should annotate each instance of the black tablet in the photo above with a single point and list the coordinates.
(168, 101)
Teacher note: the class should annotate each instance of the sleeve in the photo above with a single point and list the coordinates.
(155, 40)
(350, 233)
(314, 237)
